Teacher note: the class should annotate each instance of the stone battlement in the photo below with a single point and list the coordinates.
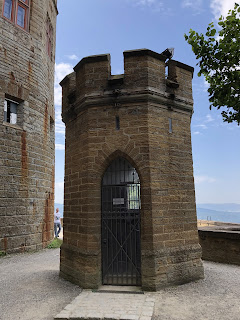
(144, 75)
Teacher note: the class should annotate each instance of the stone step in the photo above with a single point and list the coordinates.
(109, 306)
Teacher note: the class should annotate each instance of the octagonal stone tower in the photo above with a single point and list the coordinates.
(129, 204)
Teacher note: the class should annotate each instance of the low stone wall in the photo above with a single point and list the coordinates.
(220, 242)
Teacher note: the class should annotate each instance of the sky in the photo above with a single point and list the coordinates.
(112, 26)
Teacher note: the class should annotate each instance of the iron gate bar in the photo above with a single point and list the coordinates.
(121, 255)
(122, 250)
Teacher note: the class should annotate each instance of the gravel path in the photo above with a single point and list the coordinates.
(217, 297)
(30, 288)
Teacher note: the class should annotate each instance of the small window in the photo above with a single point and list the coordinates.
(117, 123)
(10, 111)
(52, 132)
(170, 125)
(49, 36)
(17, 11)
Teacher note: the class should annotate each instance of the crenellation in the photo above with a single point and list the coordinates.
(180, 74)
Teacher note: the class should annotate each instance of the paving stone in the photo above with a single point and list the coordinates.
(129, 317)
(110, 306)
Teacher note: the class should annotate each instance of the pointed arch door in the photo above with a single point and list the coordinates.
(121, 248)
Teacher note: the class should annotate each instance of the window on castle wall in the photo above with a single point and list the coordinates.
(10, 111)
(170, 125)
(49, 35)
(52, 132)
(17, 11)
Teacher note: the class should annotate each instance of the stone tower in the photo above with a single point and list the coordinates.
(129, 205)
(27, 54)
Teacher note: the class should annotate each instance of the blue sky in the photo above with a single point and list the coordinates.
(89, 27)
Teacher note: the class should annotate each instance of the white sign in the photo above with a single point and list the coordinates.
(118, 201)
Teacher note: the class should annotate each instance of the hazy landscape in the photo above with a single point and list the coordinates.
(226, 212)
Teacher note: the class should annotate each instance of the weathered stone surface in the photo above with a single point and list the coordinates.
(27, 148)
(220, 243)
(91, 101)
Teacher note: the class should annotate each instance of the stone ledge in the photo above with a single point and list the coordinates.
(220, 244)
(225, 234)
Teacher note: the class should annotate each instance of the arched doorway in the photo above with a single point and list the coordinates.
(121, 250)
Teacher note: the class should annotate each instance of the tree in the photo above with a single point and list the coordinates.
(220, 63)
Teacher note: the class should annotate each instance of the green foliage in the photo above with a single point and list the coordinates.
(219, 62)
(56, 243)
(2, 253)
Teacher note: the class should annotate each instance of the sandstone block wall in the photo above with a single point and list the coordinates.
(144, 102)
(27, 147)
(220, 244)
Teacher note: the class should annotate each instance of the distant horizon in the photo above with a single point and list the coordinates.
(225, 212)
(203, 203)
(218, 203)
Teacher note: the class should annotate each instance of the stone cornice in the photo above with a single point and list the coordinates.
(125, 97)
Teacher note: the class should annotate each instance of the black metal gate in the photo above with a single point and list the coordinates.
(121, 251)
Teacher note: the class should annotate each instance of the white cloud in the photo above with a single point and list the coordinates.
(59, 125)
(155, 5)
(61, 70)
(72, 57)
(205, 85)
(204, 179)
(221, 7)
(58, 95)
(59, 188)
(59, 146)
(202, 126)
(194, 5)
(146, 2)
(205, 124)
(209, 118)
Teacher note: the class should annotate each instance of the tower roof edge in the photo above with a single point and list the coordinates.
(92, 59)
(144, 52)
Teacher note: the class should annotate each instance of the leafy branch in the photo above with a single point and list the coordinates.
(219, 62)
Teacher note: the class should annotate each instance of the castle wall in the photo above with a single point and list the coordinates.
(143, 102)
(220, 242)
(27, 147)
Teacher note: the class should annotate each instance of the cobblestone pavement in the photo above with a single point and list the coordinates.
(103, 305)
